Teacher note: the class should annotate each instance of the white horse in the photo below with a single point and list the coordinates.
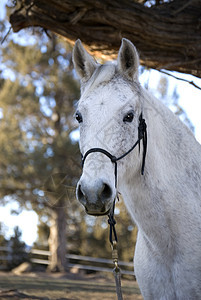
(165, 202)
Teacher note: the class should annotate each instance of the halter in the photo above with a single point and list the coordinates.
(142, 135)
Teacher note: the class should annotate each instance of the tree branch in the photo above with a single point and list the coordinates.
(182, 79)
(166, 34)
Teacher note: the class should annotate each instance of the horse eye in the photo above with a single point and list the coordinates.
(129, 117)
(78, 116)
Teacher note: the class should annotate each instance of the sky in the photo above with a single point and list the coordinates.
(27, 222)
(189, 96)
(189, 100)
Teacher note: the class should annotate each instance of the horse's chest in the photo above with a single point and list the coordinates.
(153, 276)
(160, 277)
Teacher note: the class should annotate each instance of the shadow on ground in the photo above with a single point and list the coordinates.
(63, 287)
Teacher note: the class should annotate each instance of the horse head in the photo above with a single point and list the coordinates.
(108, 114)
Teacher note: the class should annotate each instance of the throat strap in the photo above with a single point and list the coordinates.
(142, 135)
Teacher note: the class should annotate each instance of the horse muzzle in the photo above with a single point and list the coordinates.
(97, 198)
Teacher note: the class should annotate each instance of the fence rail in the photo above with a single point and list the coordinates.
(74, 261)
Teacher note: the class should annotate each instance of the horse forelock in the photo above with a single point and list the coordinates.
(102, 74)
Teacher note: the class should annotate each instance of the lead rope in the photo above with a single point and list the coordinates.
(116, 271)
(113, 241)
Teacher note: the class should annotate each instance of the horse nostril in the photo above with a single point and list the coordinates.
(106, 192)
(80, 194)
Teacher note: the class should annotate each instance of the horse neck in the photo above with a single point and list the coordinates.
(151, 198)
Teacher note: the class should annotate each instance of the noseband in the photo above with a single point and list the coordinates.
(142, 135)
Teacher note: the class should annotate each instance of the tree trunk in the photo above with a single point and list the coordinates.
(57, 240)
(167, 35)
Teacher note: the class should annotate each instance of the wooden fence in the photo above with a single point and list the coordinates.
(74, 261)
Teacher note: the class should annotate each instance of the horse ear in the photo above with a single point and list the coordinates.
(128, 60)
(84, 63)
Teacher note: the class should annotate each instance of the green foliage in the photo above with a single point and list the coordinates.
(37, 100)
(37, 113)
(17, 252)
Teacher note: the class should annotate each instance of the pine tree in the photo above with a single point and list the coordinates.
(36, 151)
(18, 249)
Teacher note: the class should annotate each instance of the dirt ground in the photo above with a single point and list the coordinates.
(42, 286)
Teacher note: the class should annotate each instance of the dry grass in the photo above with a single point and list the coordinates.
(63, 287)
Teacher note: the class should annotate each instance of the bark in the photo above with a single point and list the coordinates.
(57, 241)
(167, 36)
